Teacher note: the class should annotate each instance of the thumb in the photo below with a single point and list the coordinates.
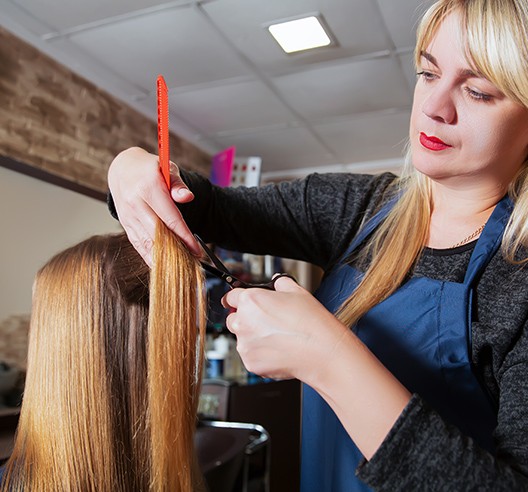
(285, 283)
(179, 191)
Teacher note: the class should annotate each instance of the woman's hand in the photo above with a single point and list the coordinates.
(287, 334)
(282, 333)
(141, 196)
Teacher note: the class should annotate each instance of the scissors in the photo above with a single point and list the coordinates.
(221, 271)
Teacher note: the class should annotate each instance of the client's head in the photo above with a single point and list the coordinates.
(114, 367)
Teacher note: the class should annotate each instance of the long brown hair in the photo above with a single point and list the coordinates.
(114, 370)
(497, 47)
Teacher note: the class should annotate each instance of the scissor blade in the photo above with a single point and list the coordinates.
(217, 263)
(226, 277)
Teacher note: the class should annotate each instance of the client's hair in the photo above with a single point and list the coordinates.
(114, 370)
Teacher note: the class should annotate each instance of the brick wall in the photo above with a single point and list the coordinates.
(57, 124)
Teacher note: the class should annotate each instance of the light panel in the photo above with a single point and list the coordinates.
(300, 34)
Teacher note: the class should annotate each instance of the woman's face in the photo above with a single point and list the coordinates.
(462, 126)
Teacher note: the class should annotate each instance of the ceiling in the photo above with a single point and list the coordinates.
(337, 108)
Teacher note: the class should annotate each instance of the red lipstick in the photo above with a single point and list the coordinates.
(432, 143)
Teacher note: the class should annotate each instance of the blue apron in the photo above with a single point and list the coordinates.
(422, 334)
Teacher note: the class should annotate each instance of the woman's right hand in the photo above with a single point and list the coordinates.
(141, 196)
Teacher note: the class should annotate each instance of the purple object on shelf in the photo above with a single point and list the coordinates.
(222, 167)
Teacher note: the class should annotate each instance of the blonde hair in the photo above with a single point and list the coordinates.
(497, 48)
(114, 370)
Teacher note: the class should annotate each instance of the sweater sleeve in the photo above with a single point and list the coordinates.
(423, 452)
(313, 219)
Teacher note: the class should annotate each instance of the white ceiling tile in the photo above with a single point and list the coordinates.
(407, 64)
(401, 18)
(21, 22)
(91, 68)
(280, 149)
(66, 14)
(177, 124)
(373, 137)
(344, 89)
(356, 24)
(177, 43)
(224, 108)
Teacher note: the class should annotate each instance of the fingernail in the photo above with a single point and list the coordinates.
(184, 192)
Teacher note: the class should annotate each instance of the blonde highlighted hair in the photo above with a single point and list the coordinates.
(114, 370)
(497, 48)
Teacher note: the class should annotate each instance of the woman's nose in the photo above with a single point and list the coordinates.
(439, 104)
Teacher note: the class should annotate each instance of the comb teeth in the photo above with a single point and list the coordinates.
(163, 129)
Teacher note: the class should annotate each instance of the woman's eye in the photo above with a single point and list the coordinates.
(477, 95)
(426, 75)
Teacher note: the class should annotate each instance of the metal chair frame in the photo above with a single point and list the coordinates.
(263, 441)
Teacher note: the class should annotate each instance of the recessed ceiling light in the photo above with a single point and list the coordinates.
(300, 34)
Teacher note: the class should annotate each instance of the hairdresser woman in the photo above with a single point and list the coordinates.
(418, 380)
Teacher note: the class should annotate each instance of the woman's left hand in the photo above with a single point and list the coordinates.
(284, 333)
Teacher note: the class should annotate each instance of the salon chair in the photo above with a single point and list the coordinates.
(8, 424)
(233, 457)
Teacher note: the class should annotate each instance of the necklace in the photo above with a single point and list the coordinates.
(470, 237)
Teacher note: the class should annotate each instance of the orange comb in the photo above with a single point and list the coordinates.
(163, 129)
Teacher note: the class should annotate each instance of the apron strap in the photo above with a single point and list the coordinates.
(369, 227)
(487, 245)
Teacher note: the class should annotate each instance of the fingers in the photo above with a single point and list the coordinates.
(283, 282)
(232, 323)
(163, 206)
(231, 299)
(267, 334)
(141, 236)
(140, 196)
(179, 191)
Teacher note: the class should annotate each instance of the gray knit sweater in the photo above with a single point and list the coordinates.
(315, 220)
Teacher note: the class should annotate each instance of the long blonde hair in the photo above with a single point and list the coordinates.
(114, 370)
(497, 47)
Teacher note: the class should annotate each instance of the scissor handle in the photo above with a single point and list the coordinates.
(266, 285)
(219, 270)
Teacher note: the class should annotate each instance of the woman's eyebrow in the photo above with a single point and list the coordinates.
(429, 57)
(465, 72)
